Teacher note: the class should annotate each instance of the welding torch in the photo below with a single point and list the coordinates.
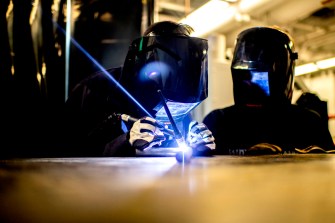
(128, 118)
(185, 155)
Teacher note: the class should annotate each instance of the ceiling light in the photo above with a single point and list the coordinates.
(209, 17)
(312, 67)
(323, 64)
(216, 13)
(305, 69)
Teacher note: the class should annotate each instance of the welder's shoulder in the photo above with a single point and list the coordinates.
(102, 78)
(222, 111)
(305, 113)
(96, 85)
(97, 81)
(218, 114)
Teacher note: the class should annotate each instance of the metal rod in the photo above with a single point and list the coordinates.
(174, 126)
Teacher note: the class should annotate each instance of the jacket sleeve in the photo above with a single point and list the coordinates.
(120, 146)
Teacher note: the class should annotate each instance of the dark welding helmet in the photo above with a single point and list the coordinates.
(263, 67)
(175, 65)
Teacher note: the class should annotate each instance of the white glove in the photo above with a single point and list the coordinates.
(145, 134)
(200, 137)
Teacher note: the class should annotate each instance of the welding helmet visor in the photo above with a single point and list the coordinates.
(176, 65)
(263, 67)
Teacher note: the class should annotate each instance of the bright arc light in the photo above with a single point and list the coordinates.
(183, 147)
(185, 152)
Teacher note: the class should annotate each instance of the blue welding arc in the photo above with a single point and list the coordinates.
(110, 77)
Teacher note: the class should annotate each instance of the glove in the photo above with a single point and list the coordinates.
(263, 149)
(200, 138)
(145, 134)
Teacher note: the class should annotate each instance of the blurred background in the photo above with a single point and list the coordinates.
(47, 46)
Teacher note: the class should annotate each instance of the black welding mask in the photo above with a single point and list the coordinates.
(263, 67)
(175, 65)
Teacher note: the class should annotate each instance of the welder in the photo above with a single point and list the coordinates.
(263, 119)
(163, 67)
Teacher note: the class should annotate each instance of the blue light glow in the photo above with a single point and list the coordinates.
(262, 80)
(154, 70)
(110, 77)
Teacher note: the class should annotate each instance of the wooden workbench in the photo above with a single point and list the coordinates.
(275, 188)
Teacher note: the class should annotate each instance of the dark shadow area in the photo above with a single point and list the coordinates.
(35, 72)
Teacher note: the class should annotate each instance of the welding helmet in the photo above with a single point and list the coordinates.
(175, 65)
(263, 67)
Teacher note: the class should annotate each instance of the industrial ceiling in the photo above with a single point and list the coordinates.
(310, 22)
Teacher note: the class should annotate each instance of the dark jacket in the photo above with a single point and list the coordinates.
(89, 124)
(90, 129)
(240, 127)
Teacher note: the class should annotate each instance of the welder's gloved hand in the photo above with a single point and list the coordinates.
(200, 138)
(145, 134)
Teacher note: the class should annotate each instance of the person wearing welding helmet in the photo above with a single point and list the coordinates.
(164, 73)
(263, 119)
